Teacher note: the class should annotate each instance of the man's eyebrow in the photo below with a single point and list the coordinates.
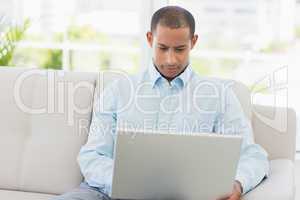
(160, 44)
(180, 46)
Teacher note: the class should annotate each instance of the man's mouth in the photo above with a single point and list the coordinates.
(171, 67)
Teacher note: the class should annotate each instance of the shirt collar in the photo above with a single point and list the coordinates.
(182, 79)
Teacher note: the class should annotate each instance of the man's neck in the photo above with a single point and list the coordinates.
(169, 79)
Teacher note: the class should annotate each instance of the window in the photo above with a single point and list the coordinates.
(107, 34)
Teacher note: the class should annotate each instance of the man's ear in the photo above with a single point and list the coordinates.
(194, 41)
(149, 36)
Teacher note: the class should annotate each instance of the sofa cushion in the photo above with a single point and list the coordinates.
(17, 195)
(275, 130)
(38, 149)
(279, 185)
(270, 122)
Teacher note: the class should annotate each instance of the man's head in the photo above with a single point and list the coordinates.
(171, 39)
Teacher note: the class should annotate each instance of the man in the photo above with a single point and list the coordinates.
(169, 96)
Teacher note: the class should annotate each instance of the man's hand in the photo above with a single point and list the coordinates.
(236, 192)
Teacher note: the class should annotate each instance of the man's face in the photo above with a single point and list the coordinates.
(171, 49)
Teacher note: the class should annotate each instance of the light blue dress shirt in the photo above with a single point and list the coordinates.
(188, 104)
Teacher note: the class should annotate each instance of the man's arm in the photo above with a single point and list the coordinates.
(253, 165)
(96, 156)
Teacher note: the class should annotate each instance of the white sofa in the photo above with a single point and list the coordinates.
(38, 149)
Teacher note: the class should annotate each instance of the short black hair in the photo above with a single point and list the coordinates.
(173, 17)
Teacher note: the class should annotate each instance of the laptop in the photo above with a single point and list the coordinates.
(160, 165)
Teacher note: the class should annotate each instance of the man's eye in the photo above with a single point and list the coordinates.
(163, 48)
(179, 50)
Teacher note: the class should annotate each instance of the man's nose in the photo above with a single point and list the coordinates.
(171, 58)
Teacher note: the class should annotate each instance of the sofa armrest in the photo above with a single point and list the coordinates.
(280, 184)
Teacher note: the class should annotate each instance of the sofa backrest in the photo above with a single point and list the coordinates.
(44, 116)
(39, 146)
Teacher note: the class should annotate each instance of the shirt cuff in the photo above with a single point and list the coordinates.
(108, 184)
(245, 186)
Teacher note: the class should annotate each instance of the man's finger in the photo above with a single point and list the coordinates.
(234, 197)
(224, 197)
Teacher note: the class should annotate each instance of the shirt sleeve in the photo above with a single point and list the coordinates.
(96, 156)
(253, 165)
